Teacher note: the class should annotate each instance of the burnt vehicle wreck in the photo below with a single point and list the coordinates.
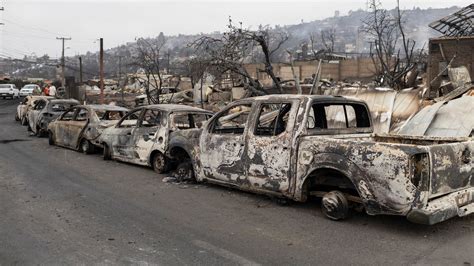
(297, 146)
(25, 106)
(45, 111)
(141, 137)
(79, 127)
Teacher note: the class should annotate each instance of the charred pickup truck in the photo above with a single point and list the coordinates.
(297, 146)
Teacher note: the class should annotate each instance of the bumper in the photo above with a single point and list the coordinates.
(7, 94)
(459, 203)
(23, 94)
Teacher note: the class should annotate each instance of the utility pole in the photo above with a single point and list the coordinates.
(120, 76)
(101, 70)
(80, 69)
(1, 9)
(63, 62)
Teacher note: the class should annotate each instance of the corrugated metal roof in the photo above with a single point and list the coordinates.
(444, 119)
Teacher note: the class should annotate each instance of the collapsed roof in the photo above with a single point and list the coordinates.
(458, 24)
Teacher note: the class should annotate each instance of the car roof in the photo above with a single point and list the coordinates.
(63, 101)
(169, 107)
(314, 98)
(37, 97)
(105, 107)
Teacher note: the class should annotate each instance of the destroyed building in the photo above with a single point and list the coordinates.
(453, 49)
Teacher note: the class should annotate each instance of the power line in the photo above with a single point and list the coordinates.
(31, 28)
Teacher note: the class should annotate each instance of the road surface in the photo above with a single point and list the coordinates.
(58, 206)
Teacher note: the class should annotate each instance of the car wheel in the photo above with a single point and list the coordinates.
(51, 138)
(184, 171)
(86, 147)
(160, 163)
(16, 117)
(106, 153)
(335, 205)
(39, 132)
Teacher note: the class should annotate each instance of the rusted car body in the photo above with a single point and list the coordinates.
(46, 110)
(79, 127)
(297, 146)
(27, 104)
(141, 137)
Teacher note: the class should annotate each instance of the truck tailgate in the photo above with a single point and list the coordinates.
(451, 167)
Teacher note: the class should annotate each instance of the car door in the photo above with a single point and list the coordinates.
(151, 126)
(269, 145)
(61, 131)
(33, 115)
(77, 126)
(119, 138)
(222, 144)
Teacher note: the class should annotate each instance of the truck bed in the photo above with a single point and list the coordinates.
(450, 160)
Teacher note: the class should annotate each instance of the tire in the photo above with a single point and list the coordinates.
(86, 147)
(160, 163)
(16, 117)
(335, 206)
(184, 172)
(39, 132)
(106, 153)
(51, 138)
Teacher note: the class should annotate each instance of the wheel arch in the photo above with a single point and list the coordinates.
(326, 176)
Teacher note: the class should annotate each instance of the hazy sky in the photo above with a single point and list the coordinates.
(31, 26)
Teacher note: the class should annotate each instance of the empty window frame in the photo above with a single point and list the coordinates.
(272, 119)
(130, 120)
(338, 116)
(233, 120)
(151, 118)
(82, 115)
(186, 120)
(68, 115)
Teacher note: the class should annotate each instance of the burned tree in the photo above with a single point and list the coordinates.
(148, 59)
(328, 38)
(392, 60)
(237, 46)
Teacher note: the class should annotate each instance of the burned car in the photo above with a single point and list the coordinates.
(79, 127)
(297, 146)
(141, 137)
(27, 104)
(46, 110)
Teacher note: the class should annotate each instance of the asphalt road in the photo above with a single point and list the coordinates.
(58, 206)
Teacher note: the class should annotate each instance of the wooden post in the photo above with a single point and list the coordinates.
(101, 70)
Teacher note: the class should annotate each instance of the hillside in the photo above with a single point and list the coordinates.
(347, 33)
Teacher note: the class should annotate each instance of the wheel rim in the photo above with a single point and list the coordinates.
(159, 162)
(334, 205)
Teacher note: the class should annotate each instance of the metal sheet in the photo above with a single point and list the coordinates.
(444, 119)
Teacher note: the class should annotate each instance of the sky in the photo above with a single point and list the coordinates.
(31, 26)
